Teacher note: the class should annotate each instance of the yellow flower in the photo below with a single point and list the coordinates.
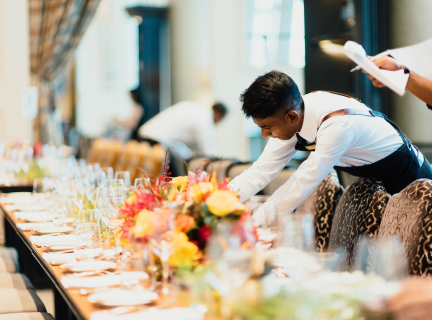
(222, 202)
(200, 189)
(180, 183)
(240, 209)
(131, 199)
(185, 253)
(143, 223)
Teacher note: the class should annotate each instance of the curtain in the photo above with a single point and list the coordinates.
(56, 28)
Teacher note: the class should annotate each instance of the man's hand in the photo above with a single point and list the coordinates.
(385, 63)
(414, 301)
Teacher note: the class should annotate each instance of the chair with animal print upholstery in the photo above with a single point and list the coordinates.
(322, 203)
(358, 213)
(408, 216)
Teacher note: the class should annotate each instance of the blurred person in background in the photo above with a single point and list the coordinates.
(188, 127)
(136, 119)
(419, 86)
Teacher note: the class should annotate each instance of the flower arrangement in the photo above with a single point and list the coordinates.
(198, 202)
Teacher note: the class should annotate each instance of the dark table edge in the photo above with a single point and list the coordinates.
(61, 289)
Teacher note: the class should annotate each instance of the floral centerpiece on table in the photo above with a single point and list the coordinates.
(198, 201)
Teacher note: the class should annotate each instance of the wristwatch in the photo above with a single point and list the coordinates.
(406, 70)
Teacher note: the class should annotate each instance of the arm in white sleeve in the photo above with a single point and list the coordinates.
(275, 156)
(333, 140)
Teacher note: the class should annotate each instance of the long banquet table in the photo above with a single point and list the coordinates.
(67, 304)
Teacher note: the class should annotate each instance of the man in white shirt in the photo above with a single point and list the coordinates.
(340, 130)
(188, 127)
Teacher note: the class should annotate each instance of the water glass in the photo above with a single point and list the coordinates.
(88, 242)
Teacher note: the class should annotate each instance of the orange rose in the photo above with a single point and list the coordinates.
(184, 222)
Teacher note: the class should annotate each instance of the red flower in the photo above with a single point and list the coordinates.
(204, 234)
(223, 185)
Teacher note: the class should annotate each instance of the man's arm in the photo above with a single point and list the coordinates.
(333, 140)
(275, 156)
(417, 85)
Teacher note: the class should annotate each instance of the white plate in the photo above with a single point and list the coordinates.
(53, 230)
(89, 266)
(113, 298)
(61, 248)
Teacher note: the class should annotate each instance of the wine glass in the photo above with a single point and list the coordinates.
(88, 242)
(141, 183)
(116, 188)
(109, 172)
(111, 223)
(123, 175)
(42, 187)
(100, 179)
(162, 242)
(139, 257)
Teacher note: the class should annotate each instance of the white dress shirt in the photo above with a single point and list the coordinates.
(349, 140)
(187, 123)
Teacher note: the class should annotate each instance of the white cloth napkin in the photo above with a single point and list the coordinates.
(59, 257)
(101, 281)
(33, 225)
(153, 314)
(51, 240)
(19, 200)
(34, 215)
(26, 207)
(70, 257)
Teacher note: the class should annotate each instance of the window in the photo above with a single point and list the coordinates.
(275, 33)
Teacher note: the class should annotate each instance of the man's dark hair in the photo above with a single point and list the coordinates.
(272, 94)
(136, 95)
(220, 107)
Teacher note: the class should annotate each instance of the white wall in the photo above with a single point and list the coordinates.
(215, 27)
(411, 24)
(14, 69)
(107, 67)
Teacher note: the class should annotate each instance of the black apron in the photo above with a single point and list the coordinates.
(396, 171)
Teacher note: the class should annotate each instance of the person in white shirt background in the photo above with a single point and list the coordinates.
(340, 130)
(188, 127)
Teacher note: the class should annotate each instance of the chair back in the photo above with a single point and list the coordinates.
(281, 178)
(196, 162)
(408, 216)
(359, 212)
(220, 166)
(236, 169)
(322, 203)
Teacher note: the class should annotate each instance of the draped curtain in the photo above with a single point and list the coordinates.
(56, 28)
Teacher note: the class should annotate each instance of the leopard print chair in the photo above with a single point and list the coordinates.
(358, 213)
(409, 217)
(322, 203)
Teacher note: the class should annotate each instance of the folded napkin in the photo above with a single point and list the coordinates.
(153, 314)
(67, 239)
(33, 225)
(101, 281)
(70, 257)
(59, 257)
(18, 200)
(41, 216)
(26, 207)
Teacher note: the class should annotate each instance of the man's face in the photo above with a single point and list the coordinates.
(281, 127)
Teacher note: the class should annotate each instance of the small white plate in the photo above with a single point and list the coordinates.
(61, 248)
(89, 266)
(114, 298)
(53, 230)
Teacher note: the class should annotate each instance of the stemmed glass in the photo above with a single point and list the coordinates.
(80, 194)
(162, 242)
(141, 183)
(88, 236)
(123, 175)
(109, 172)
